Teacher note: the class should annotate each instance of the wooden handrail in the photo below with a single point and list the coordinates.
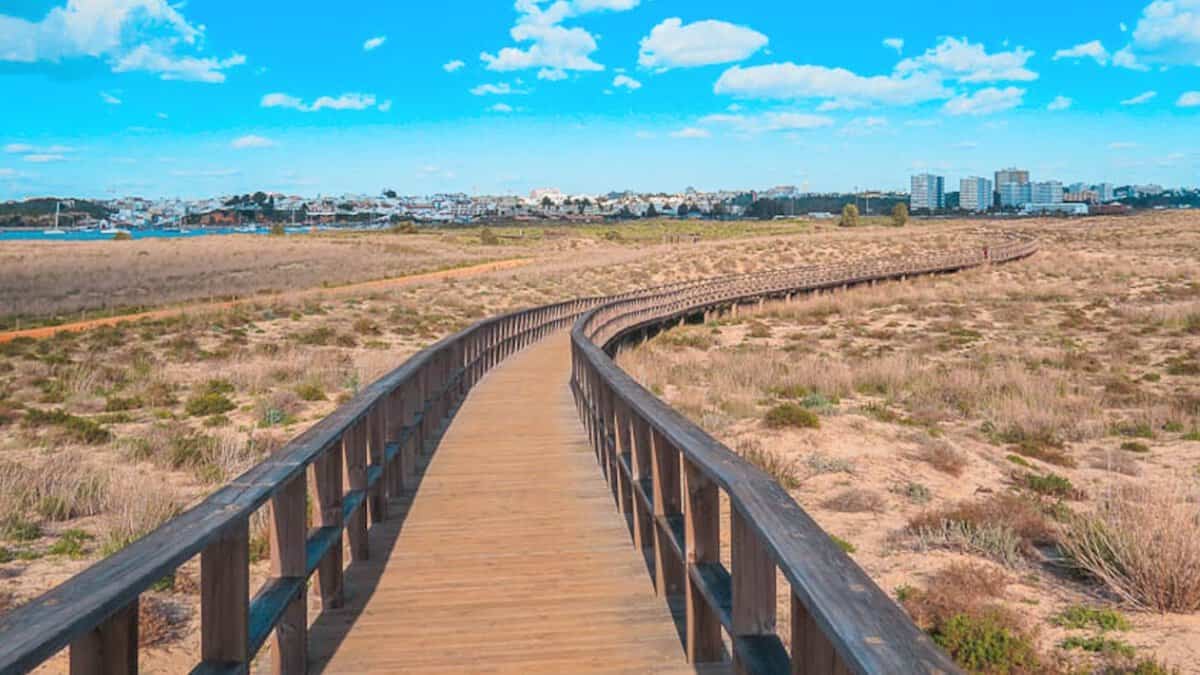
(374, 441)
(840, 619)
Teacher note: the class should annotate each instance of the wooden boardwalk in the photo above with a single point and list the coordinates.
(511, 556)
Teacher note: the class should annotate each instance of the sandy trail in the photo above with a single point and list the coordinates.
(43, 332)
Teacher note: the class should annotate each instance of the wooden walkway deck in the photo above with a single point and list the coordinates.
(511, 556)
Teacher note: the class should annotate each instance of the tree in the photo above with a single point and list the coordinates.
(390, 194)
(652, 212)
(849, 216)
(900, 214)
(547, 202)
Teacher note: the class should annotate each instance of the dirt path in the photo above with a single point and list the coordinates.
(167, 312)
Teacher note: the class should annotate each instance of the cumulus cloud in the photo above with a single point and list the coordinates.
(691, 132)
(768, 122)
(1144, 97)
(865, 126)
(110, 99)
(894, 43)
(497, 89)
(501, 108)
(843, 88)
(374, 43)
(347, 101)
(985, 101)
(1168, 33)
(671, 44)
(626, 82)
(130, 35)
(1189, 99)
(961, 60)
(1093, 50)
(251, 142)
(1060, 103)
(453, 66)
(44, 158)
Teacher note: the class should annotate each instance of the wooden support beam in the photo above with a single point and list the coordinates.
(702, 533)
(669, 570)
(643, 519)
(376, 435)
(753, 582)
(225, 597)
(289, 640)
(110, 648)
(354, 446)
(327, 488)
(812, 653)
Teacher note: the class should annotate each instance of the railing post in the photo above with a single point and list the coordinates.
(643, 519)
(665, 464)
(110, 648)
(225, 597)
(702, 534)
(377, 420)
(812, 652)
(289, 642)
(327, 487)
(753, 583)
(354, 446)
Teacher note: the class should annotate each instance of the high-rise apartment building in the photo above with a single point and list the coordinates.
(928, 192)
(1047, 192)
(1107, 192)
(975, 194)
(1013, 186)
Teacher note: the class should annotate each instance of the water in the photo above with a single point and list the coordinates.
(147, 233)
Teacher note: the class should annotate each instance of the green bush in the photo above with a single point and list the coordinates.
(986, 643)
(1135, 446)
(209, 403)
(79, 428)
(843, 544)
(1098, 644)
(790, 415)
(488, 238)
(1051, 485)
(1081, 616)
(311, 391)
(16, 528)
(70, 544)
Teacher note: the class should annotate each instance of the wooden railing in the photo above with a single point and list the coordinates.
(349, 464)
(666, 476)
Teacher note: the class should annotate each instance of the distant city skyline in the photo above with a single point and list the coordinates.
(143, 97)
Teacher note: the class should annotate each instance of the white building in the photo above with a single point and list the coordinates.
(1107, 192)
(975, 194)
(928, 192)
(1014, 187)
(1047, 192)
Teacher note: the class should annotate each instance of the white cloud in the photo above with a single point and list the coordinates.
(453, 66)
(19, 148)
(691, 132)
(550, 44)
(1125, 58)
(1168, 33)
(1122, 145)
(1060, 103)
(768, 122)
(374, 43)
(347, 101)
(958, 59)
(1088, 50)
(497, 89)
(894, 43)
(251, 142)
(38, 152)
(627, 82)
(386, 106)
(671, 44)
(43, 158)
(128, 34)
(109, 98)
(845, 89)
(1189, 99)
(552, 74)
(865, 126)
(1141, 98)
(501, 108)
(985, 101)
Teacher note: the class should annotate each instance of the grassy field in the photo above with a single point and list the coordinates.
(1014, 452)
(107, 433)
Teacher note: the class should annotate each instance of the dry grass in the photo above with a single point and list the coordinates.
(1143, 544)
(1004, 527)
(855, 500)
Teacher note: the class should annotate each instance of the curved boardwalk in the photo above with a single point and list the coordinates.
(511, 557)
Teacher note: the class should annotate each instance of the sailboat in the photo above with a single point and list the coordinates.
(56, 229)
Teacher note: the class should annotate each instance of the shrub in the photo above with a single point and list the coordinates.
(759, 329)
(1050, 485)
(900, 215)
(846, 546)
(854, 500)
(790, 415)
(1143, 543)
(959, 588)
(1128, 666)
(1098, 644)
(991, 642)
(119, 404)
(277, 230)
(849, 216)
(208, 403)
(915, 492)
(16, 528)
(942, 456)
(1079, 617)
(488, 238)
(773, 464)
(80, 429)
(311, 391)
(1135, 446)
(70, 544)
(1003, 527)
(819, 463)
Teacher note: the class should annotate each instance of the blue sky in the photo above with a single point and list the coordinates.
(116, 97)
